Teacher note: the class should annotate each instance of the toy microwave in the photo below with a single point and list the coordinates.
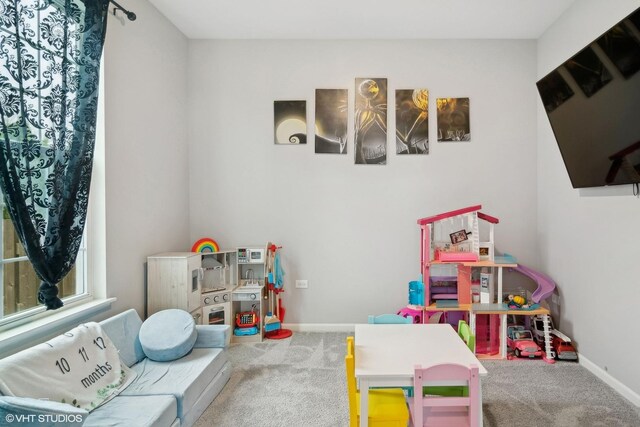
(250, 255)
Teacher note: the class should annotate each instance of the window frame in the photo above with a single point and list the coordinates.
(22, 317)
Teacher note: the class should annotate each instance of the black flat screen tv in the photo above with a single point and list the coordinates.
(593, 104)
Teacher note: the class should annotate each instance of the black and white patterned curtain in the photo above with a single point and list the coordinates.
(50, 54)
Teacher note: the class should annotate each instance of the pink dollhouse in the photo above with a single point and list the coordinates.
(454, 237)
(459, 265)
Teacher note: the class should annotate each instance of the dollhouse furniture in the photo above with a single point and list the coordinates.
(428, 410)
(443, 287)
(391, 352)
(464, 331)
(414, 312)
(386, 407)
(170, 393)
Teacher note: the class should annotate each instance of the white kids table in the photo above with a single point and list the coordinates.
(386, 356)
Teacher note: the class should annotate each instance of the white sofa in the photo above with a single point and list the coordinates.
(168, 394)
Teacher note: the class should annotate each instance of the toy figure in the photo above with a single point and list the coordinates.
(516, 301)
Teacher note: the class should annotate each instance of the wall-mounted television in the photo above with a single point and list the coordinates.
(593, 104)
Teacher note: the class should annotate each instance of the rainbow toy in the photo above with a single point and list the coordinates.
(206, 244)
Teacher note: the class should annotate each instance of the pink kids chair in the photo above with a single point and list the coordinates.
(432, 411)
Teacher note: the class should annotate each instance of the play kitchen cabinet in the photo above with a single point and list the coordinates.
(251, 266)
(248, 306)
(220, 278)
(174, 280)
(248, 299)
(220, 270)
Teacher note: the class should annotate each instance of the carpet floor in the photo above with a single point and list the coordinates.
(300, 382)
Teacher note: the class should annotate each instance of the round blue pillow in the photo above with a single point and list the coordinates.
(168, 335)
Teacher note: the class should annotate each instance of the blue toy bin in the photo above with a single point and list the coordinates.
(245, 331)
(416, 292)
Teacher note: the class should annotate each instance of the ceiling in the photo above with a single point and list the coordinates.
(361, 19)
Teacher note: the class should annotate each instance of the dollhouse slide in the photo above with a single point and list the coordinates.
(546, 286)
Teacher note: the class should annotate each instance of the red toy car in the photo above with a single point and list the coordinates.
(521, 342)
(564, 349)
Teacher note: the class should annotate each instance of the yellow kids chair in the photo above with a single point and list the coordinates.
(387, 407)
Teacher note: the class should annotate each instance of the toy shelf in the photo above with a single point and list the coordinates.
(489, 356)
(539, 310)
(460, 307)
(492, 309)
(476, 263)
(488, 264)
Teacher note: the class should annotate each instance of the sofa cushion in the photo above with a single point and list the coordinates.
(44, 413)
(185, 378)
(213, 336)
(139, 411)
(123, 330)
(168, 335)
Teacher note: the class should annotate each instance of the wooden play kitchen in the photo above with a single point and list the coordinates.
(221, 287)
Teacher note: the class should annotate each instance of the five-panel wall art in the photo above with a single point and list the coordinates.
(370, 121)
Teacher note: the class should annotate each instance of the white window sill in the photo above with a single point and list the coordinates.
(36, 331)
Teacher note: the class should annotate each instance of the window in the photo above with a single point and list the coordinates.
(19, 282)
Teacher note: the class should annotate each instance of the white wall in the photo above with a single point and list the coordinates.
(588, 244)
(351, 230)
(146, 148)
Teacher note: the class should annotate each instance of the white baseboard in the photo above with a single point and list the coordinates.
(625, 391)
(320, 327)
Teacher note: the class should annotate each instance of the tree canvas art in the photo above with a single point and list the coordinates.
(412, 121)
(453, 119)
(331, 121)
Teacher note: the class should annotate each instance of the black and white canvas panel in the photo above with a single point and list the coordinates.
(331, 121)
(290, 122)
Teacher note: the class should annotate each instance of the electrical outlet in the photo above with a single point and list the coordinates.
(302, 284)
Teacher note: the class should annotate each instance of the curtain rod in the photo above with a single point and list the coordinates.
(130, 15)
